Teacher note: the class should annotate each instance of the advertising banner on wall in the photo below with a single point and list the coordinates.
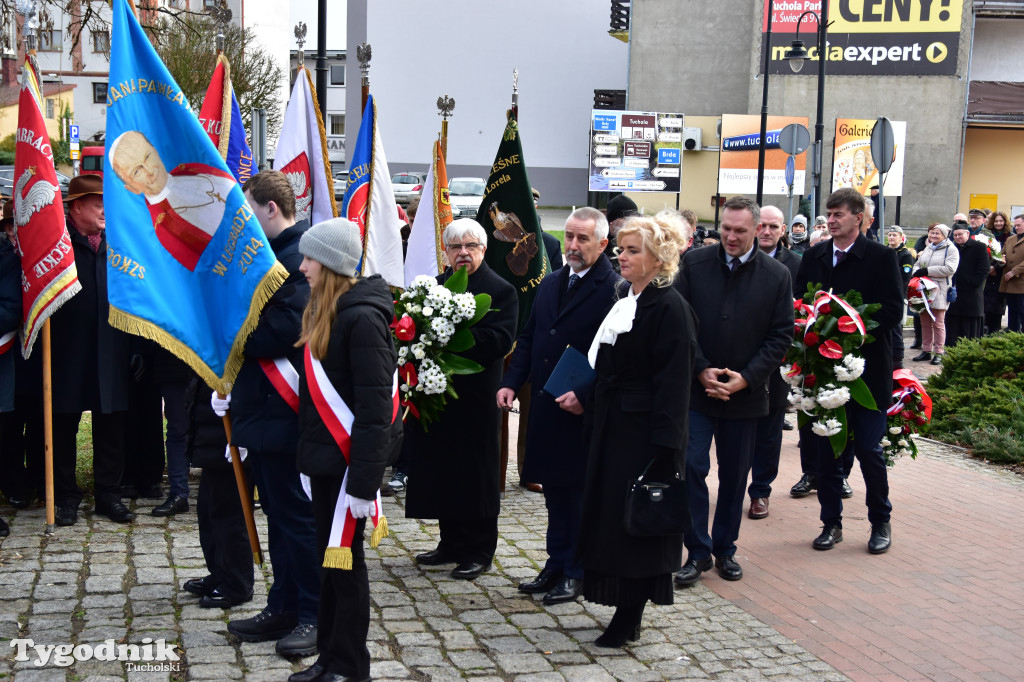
(870, 37)
(635, 151)
(737, 164)
(851, 158)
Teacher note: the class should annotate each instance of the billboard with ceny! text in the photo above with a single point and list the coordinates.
(635, 151)
(737, 163)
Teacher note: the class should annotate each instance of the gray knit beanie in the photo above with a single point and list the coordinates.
(335, 244)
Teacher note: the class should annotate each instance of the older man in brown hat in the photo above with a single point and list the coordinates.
(90, 366)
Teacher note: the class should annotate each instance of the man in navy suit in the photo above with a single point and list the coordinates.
(852, 261)
(569, 307)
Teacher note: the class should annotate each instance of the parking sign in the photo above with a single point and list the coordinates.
(74, 132)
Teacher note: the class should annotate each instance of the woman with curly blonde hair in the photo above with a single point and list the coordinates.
(643, 355)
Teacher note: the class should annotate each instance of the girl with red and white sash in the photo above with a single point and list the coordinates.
(349, 430)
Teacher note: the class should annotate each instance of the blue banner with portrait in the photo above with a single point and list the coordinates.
(188, 264)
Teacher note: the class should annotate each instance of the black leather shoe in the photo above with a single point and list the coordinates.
(831, 534)
(542, 583)
(728, 568)
(198, 586)
(151, 492)
(116, 511)
(807, 484)
(333, 677)
(19, 502)
(264, 626)
(916, 345)
(881, 538)
(846, 492)
(567, 589)
(66, 516)
(171, 506)
(787, 425)
(310, 674)
(937, 359)
(4, 529)
(216, 600)
(468, 570)
(434, 557)
(299, 642)
(691, 571)
(925, 355)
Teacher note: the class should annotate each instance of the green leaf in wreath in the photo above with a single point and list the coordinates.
(838, 441)
(483, 306)
(458, 282)
(459, 365)
(802, 419)
(860, 392)
(461, 340)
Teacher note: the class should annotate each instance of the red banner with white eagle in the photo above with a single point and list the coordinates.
(302, 153)
(48, 274)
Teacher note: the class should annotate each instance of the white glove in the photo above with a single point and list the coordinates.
(306, 488)
(360, 509)
(242, 453)
(220, 405)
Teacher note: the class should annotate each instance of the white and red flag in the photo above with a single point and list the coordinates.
(48, 274)
(302, 153)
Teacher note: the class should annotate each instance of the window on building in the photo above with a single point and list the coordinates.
(101, 41)
(49, 107)
(338, 74)
(177, 4)
(337, 124)
(99, 93)
(210, 4)
(50, 41)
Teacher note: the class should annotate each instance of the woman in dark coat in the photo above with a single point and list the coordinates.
(643, 354)
(349, 381)
(965, 317)
(454, 472)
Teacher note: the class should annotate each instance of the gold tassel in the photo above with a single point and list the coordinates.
(379, 532)
(323, 144)
(338, 557)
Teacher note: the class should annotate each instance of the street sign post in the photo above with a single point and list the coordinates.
(883, 151)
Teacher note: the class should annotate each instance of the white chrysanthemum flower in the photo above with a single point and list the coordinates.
(886, 443)
(853, 365)
(443, 329)
(403, 353)
(432, 379)
(829, 428)
(894, 430)
(405, 388)
(424, 282)
(418, 351)
(437, 295)
(795, 396)
(902, 443)
(464, 307)
(807, 403)
(831, 398)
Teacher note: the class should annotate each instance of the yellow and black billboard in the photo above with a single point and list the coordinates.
(870, 37)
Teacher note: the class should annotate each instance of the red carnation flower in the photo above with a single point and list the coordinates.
(810, 380)
(825, 308)
(847, 325)
(831, 350)
(919, 420)
(405, 329)
(408, 374)
(811, 339)
(907, 414)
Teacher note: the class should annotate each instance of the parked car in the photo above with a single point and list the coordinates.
(340, 184)
(466, 195)
(407, 186)
(7, 181)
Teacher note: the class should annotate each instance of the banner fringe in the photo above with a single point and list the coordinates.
(380, 531)
(338, 557)
(44, 313)
(225, 107)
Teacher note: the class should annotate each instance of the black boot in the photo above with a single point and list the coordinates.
(624, 627)
(923, 357)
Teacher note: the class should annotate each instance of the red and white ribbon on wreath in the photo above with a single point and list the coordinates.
(7, 341)
(338, 418)
(920, 285)
(284, 379)
(899, 397)
(823, 297)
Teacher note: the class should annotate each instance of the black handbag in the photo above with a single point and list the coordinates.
(656, 507)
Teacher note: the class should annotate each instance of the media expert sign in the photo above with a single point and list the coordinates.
(635, 151)
(852, 165)
(737, 162)
(871, 37)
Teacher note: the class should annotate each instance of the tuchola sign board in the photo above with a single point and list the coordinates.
(871, 37)
(635, 151)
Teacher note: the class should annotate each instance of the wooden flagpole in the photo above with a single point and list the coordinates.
(48, 425)
(243, 492)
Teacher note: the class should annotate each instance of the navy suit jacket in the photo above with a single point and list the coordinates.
(556, 450)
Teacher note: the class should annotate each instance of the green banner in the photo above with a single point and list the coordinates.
(515, 247)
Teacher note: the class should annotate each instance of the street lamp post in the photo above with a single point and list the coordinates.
(796, 56)
(764, 104)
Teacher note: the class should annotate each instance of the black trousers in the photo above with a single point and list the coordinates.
(107, 457)
(144, 438)
(21, 453)
(469, 540)
(343, 619)
(222, 533)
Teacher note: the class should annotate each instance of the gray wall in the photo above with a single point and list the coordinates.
(702, 58)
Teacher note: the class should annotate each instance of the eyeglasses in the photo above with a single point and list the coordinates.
(468, 246)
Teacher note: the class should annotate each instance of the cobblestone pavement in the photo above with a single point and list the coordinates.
(98, 580)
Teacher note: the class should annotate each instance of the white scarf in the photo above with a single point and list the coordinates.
(619, 320)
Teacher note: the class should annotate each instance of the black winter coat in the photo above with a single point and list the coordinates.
(906, 261)
(746, 325)
(554, 251)
(872, 270)
(361, 365)
(261, 419)
(454, 468)
(640, 412)
(556, 449)
(10, 318)
(206, 439)
(90, 358)
(970, 280)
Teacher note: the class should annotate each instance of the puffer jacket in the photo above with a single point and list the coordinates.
(938, 262)
(360, 364)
